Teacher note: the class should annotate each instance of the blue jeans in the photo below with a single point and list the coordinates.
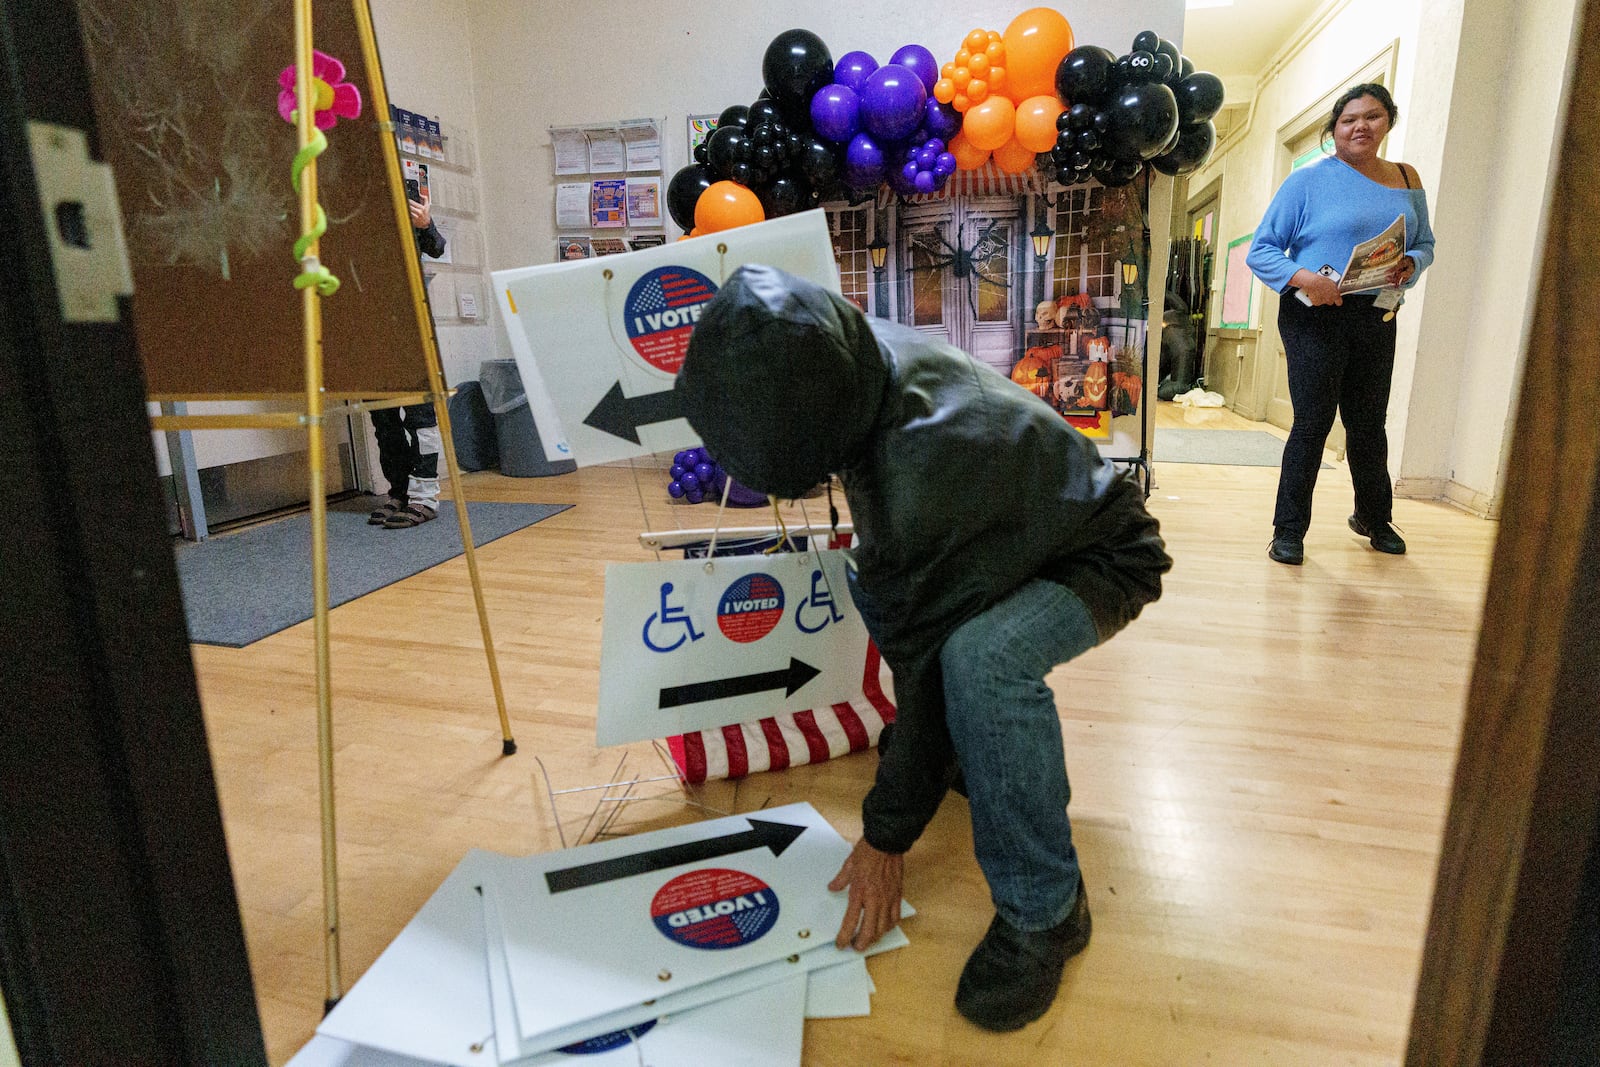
(1007, 737)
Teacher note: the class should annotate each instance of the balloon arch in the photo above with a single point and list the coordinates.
(1030, 96)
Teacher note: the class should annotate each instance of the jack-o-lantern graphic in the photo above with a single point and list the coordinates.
(1094, 385)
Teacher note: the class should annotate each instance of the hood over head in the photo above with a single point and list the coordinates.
(782, 380)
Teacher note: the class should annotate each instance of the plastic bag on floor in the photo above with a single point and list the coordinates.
(1200, 398)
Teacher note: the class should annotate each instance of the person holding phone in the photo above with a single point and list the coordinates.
(408, 437)
(1340, 347)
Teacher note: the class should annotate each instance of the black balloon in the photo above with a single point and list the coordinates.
(1199, 96)
(1088, 140)
(1171, 50)
(1080, 160)
(762, 113)
(1100, 122)
(700, 153)
(1080, 116)
(733, 115)
(1162, 67)
(787, 194)
(683, 192)
(1142, 118)
(795, 66)
(1194, 146)
(1185, 67)
(1147, 41)
(1142, 67)
(1172, 142)
(1120, 173)
(743, 173)
(818, 163)
(725, 147)
(1084, 75)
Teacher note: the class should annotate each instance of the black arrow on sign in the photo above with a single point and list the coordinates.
(621, 416)
(789, 679)
(762, 834)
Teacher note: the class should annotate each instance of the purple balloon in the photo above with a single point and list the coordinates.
(926, 182)
(911, 170)
(945, 165)
(892, 103)
(863, 162)
(925, 158)
(675, 489)
(942, 120)
(901, 184)
(919, 61)
(835, 113)
(934, 143)
(853, 68)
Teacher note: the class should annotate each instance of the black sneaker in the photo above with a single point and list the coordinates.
(1287, 548)
(1383, 537)
(1012, 977)
(381, 513)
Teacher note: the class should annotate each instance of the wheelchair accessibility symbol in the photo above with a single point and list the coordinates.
(820, 601)
(668, 617)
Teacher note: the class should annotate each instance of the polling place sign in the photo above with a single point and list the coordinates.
(605, 337)
(696, 644)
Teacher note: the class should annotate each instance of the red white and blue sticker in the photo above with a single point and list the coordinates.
(660, 313)
(607, 1042)
(715, 908)
(750, 608)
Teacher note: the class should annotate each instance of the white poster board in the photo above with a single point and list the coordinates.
(607, 336)
(689, 645)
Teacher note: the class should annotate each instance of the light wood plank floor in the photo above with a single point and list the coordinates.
(1260, 767)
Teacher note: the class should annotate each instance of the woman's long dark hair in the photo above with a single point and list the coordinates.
(1356, 92)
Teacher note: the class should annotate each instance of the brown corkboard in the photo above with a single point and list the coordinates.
(186, 95)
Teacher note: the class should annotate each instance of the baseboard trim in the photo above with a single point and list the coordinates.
(1472, 501)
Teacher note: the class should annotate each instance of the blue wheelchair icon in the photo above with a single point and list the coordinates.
(669, 616)
(821, 598)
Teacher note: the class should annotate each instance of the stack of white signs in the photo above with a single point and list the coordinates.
(709, 943)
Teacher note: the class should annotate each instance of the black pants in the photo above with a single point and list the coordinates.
(1340, 361)
(399, 457)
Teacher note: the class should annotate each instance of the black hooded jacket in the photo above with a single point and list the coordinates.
(962, 487)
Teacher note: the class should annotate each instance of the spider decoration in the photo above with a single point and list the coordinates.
(966, 264)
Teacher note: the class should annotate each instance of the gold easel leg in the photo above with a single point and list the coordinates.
(380, 106)
(319, 511)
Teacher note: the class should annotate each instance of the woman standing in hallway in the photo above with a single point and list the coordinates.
(1340, 347)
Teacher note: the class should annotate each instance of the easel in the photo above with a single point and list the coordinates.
(317, 411)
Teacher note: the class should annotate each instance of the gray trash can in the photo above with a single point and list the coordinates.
(521, 453)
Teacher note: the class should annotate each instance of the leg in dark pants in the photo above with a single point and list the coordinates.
(1363, 406)
(1340, 362)
(397, 450)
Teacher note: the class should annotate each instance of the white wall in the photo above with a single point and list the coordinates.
(1497, 161)
(537, 66)
(428, 66)
(1475, 85)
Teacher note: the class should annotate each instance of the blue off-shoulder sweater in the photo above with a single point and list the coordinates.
(1322, 211)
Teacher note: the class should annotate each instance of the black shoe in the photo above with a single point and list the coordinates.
(1012, 977)
(1383, 537)
(1287, 548)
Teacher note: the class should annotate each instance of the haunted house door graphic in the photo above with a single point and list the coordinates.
(959, 275)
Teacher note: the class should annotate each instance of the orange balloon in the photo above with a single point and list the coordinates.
(947, 71)
(994, 35)
(989, 124)
(960, 102)
(978, 64)
(977, 41)
(724, 206)
(997, 79)
(1014, 157)
(1036, 122)
(977, 90)
(967, 157)
(1036, 41)
(944, 90)
(962, 79)
(996, 52)
(963, 57)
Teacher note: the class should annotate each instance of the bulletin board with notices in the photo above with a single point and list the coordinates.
(438, 162)
(608, 188)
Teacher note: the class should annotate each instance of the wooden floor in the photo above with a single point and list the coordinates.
(1260, 767)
